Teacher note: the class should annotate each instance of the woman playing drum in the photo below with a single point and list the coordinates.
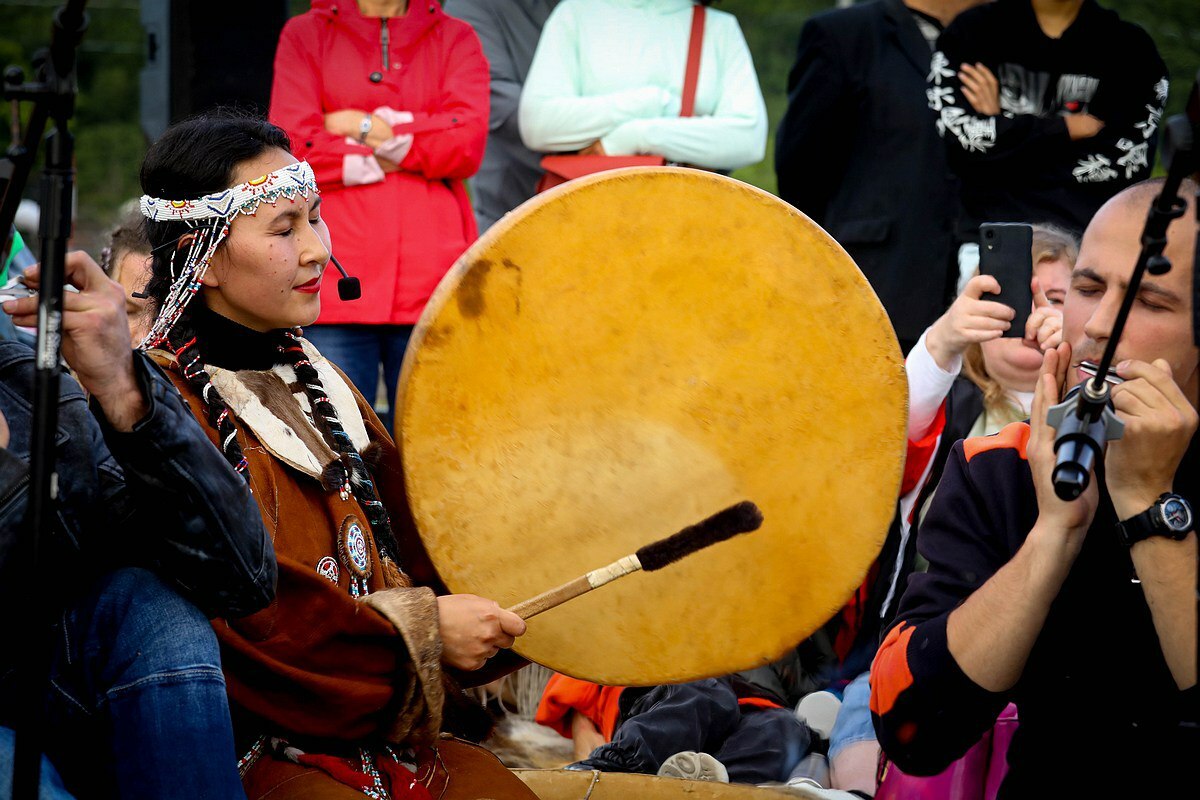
(337, 688)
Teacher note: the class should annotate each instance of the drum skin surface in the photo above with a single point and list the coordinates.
(557, 784)
(620, 358)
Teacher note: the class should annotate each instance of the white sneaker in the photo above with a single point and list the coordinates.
(695, 767)
(819, 710)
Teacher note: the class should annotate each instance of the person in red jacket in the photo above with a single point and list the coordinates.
(388, 101)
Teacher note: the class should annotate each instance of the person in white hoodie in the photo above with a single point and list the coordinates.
(607, 79)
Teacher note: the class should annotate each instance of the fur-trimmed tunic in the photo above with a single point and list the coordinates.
(318, 663)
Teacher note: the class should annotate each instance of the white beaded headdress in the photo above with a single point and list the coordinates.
(213, 214)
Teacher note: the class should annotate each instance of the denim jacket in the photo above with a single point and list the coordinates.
(160, 496)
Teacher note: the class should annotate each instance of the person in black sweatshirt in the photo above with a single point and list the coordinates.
(1083, 613)
(1047, 108)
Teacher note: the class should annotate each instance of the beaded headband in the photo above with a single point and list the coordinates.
(214, 212)
(294, 179)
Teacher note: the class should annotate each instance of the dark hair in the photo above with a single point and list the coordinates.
(193, 158)
(197, 157)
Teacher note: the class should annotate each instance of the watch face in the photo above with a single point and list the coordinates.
(1177, 514)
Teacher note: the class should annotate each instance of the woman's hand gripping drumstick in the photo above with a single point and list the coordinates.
(741, 518)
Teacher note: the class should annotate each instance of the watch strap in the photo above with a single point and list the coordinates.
(1149, 523)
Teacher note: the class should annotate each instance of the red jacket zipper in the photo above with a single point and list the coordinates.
(383, 42)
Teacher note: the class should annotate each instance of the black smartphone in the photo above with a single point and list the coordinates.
(1006, 252)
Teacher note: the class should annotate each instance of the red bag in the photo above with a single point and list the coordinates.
(562, 168)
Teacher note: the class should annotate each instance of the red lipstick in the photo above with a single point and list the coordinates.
(311, 287)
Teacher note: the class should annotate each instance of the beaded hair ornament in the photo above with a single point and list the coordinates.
(210, 217)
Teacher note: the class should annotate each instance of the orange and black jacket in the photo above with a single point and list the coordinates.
(1096, 696)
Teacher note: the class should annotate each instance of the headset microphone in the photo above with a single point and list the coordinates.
(348, 288)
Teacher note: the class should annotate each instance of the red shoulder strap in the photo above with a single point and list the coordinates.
(691, 77)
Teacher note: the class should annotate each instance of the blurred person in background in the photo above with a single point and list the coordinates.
(966, 348)
(389, 104)
(509, 31)
(858, 153)
(17, 257)
(1047, 108)
(607, 79)
(126, 259)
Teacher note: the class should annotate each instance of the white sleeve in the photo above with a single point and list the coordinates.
(734, 136)
(553, 115)
(928, 385)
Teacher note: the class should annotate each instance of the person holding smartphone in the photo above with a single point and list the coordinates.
(973, 354)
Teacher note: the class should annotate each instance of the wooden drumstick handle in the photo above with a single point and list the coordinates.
(573, 588)
(740, 518)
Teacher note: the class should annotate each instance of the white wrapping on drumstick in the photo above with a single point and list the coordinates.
(618, 569)
(739, 518)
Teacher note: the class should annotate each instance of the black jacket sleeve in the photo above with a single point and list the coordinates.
(1130, 103)
(978, 144)
(927, 712)
(180, 507)
(812, 145)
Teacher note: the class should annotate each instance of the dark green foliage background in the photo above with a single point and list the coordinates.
(110, 143)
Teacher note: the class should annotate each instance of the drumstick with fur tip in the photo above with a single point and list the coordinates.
(743, 517)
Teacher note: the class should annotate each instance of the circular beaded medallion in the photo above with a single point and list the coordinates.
(353, 548)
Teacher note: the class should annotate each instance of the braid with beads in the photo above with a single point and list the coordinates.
(355, 476)
(182, 342)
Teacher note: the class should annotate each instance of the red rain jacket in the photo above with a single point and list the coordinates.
(402, 232)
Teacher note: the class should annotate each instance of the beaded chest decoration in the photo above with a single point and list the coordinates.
(355, 553)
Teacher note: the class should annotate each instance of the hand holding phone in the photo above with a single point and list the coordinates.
(973, 318)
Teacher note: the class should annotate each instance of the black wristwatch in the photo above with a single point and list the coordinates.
(1170, 516)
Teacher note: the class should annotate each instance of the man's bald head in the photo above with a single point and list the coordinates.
(1160, 321)
(1132, 205)
(1140, 195)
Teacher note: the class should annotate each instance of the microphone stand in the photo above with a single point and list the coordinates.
(53, 95)
(1084, 421)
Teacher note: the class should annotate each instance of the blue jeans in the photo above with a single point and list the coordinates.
(137, 705)
(854, 717)
(359, 350)
(49, 788)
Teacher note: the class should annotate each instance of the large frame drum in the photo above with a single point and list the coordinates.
(623, 356)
